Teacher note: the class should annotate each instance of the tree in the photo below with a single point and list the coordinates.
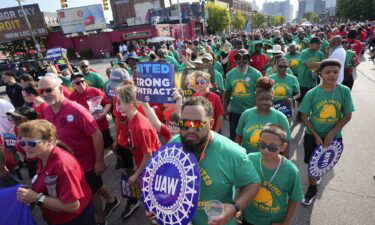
(218, 18)
(239, 21)
(277, 20)
(312, 17)
(355, 10)
(257, 20)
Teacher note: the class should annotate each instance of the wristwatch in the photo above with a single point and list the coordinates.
(40, 199)
(238, 210)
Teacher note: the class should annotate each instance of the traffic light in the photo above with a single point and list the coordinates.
(105, 4)
(64, 3)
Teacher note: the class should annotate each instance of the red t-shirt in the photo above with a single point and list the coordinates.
(74, 126)
(10, 163)
(231, 61)
(40, 109)
(354, 45)
(164, 132)
(140, 137)
(71, 184)
(343, 34)
(216, 105)
(89, 93)
(66, 91)
(258, 60)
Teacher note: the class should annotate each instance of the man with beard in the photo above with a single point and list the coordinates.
(239, 90)
(223, 164)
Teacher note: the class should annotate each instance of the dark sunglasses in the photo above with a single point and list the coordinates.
(79, 82)
(31, 143)
(197, 125)
(13, 118)
(270, 148)
(200, 82)
(283, 67)
(46, 90)
(241, 57)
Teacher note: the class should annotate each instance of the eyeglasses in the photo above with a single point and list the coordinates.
(46, 90)
(84, 66)
(283, 67)
(200, 82)
(197, 125)
(31, 143)
(13, 118)
(79, 82)
(270, 148)
(243, 58)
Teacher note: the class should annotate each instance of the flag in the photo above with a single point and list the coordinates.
(248, 26)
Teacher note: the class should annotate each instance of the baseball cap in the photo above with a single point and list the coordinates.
(24, 112)
(315, 40)
(117, 78)
(75, 76)
(207, 56)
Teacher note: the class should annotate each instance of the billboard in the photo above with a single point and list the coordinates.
(82, 19)
(13, 25)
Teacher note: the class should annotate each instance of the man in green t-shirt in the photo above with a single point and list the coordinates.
(280, 187)
(239, 89)
(224, 165)
(301, 41)
(293, 57)
(325, 110)
(93, 79)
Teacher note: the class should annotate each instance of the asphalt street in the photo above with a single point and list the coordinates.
(347, 193)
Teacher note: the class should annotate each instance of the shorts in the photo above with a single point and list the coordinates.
(309, 145)
(87, 217)
(95, 181)
(125, 157)
(107, 138)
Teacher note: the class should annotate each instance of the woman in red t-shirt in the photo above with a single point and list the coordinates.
(32, 94)
(201, 86)
(59, 186)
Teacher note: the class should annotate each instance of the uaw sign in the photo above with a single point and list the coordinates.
(155, 82)
(324, 159)
(170, 185)
(13, 25)
(284, 106)
(54, 54)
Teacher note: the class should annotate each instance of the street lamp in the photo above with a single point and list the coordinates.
(29, 26)
(179, 15)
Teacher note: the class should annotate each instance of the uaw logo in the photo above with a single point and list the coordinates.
(170, 185)
(324, 159)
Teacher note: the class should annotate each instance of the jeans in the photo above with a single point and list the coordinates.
(233, 122)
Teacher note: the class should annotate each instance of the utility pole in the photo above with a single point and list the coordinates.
(30, 29)
(179, 15)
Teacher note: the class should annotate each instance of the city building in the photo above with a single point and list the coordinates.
(316, 6)
(331, 7)
(301, 8)
(254, 6)
(51, 19)
(243, 6)
(278, 8)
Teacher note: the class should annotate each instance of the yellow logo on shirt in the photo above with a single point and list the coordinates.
(264, 196)
(240, 88)
(293, 63)
(280, 90)
(328, 111)
(264, 199)
(254, 138)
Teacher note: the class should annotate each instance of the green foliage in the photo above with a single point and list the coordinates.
(86, 53)
(218, 18)
(277, 20)
(239, 21)
(355, 10)
(312, 17)
(257, 20)
(71, 53)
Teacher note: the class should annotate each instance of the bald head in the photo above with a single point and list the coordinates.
(48, 82)
(335, 41)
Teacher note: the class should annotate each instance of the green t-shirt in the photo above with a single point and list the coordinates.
(172, 60)
(225, 166)
(242, 88)
(305, 78)
(323, 47)
(251, 123)
(271, 203)
(94, 80)
(219, 67)
(284, 87)
(302, 45)
(219, 80)
(293, 62)
(324, 109)
(270, 71)
(349, 58)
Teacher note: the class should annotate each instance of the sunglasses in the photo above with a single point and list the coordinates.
(84, 66)
(243, 58)
(200, 82)
(13, 118)
(270, 148)
(46, 90)
(283, 67)
(197, 125)
(79, 82)
(31, 143)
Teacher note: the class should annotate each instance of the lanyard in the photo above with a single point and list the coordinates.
(274, 174)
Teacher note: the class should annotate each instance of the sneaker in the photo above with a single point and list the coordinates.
(310, 195)
(109, 207)
(129, 208)
(103, 223)
(319, 181)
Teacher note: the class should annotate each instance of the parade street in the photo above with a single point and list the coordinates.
(347, 193)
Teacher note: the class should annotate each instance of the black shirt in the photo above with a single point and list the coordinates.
(14, 92)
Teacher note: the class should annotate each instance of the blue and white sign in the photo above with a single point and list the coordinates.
(170, 185)
(284, 107)
(9, 140)
(53, 54)
(155, 82)
(129, 191)
(324, 159)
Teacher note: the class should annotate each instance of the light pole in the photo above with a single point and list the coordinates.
(30, 30)
(179, 15)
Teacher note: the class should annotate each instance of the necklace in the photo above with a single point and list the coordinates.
(274, 174)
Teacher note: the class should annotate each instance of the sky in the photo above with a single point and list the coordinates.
(53, 5)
